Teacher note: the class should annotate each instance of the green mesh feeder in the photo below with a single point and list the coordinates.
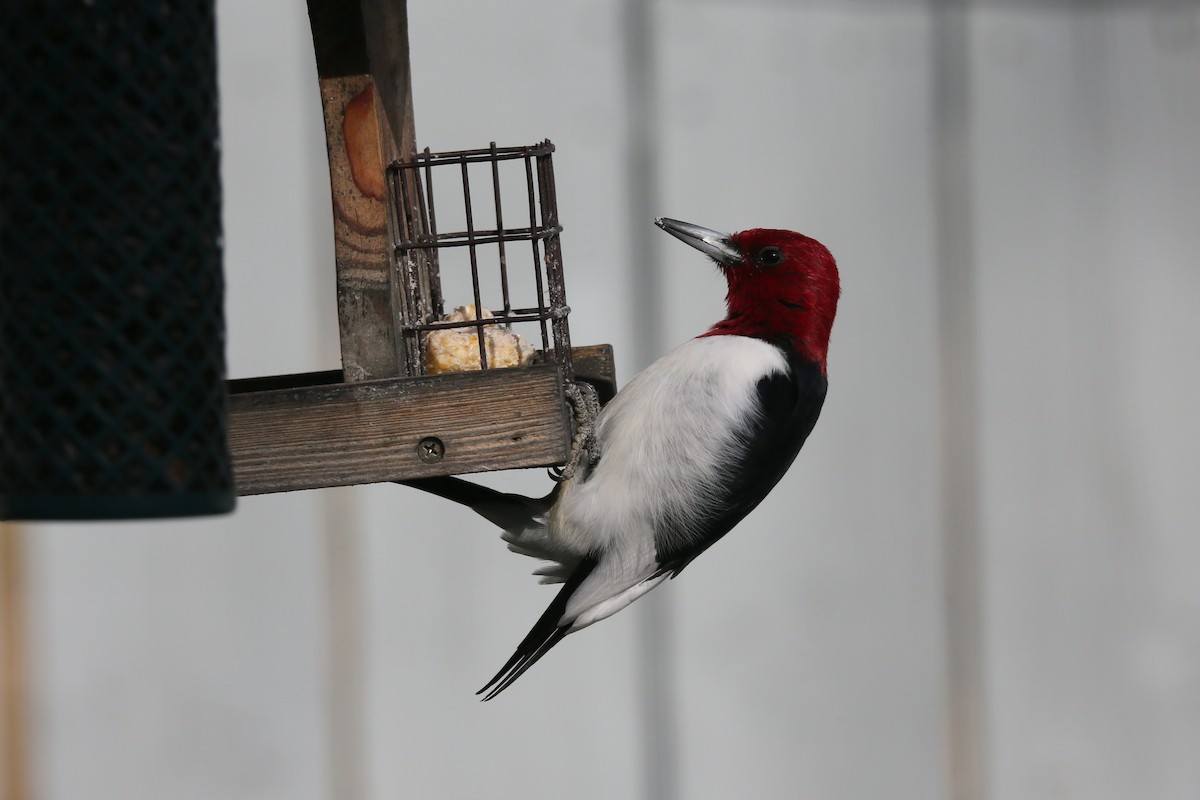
(112, 395)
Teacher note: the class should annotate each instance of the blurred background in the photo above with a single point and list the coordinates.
(978, 580)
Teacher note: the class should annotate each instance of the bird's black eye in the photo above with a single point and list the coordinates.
(769, 257)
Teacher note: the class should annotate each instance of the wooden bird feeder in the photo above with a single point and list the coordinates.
(381, 417)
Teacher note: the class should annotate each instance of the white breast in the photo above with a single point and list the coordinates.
(667, 439)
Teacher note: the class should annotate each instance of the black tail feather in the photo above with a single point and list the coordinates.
(508, 511)
(557, 636)
(545, 633)
(457, 490)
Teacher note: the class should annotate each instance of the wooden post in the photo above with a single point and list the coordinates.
(366, 94)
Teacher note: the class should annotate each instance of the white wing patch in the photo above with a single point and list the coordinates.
(606, 608)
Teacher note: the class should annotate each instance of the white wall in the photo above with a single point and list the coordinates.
(1086, 206)
(807, 651)
(186, 659)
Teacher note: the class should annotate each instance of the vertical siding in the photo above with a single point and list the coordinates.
(1087, 197)
(809, 639)
(808, 654)
(186, 659)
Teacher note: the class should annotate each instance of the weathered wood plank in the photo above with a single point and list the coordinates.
(280, 424)
(343, 434)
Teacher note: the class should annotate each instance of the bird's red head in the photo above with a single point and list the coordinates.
(783, 285)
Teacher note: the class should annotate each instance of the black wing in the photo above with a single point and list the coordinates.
(790, 404)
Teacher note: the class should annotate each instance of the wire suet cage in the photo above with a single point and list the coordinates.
(515, 271)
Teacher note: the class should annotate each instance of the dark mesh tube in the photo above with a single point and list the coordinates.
(112, 399)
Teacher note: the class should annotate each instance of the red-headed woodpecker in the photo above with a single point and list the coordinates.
(687, 449)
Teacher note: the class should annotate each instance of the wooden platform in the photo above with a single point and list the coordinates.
(314, 430)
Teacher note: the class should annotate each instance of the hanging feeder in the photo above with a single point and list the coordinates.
(416, 235)
(112, 363)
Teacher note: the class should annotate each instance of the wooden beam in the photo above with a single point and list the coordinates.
(385, 430)
(312, 429)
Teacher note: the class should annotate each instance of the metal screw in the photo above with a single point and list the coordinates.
(431, 449)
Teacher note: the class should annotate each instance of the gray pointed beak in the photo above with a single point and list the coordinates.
(714, 244)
